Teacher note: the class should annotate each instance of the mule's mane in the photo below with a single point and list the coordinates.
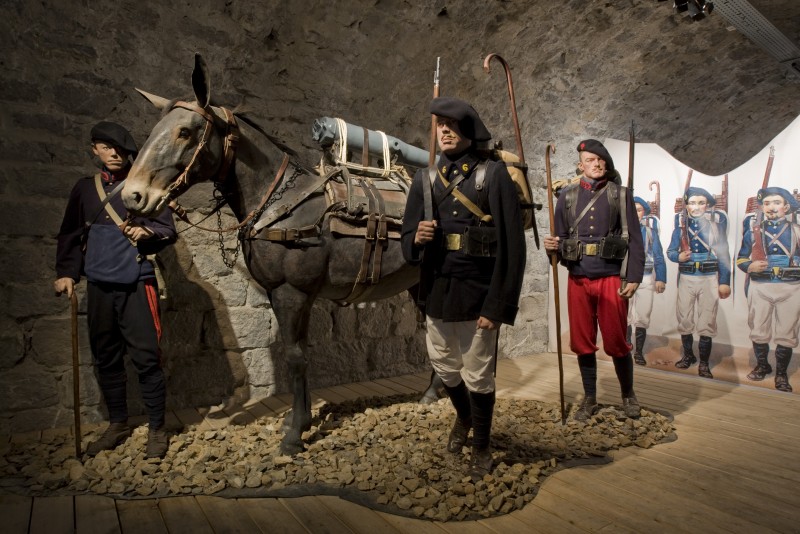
(242, 114)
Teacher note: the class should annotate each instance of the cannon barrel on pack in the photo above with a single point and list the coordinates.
(325, 132)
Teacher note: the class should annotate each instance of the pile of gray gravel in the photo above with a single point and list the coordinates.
(387, 453)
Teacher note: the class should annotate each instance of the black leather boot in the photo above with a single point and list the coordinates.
(459, 396)
(638, 353)
(482, 405)
(762, 368)
(783, 355)
(688, 359)
(704, 350)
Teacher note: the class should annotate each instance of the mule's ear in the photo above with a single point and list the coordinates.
(158, 101)
(201, 83)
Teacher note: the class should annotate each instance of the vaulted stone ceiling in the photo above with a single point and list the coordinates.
(581, 68)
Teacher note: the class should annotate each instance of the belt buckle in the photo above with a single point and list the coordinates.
(590, 249)
(453, 241)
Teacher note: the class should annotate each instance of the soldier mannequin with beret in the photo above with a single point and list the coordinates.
(470, 293)
(588, 211)
(122, 294)
(700, 246)
(770, 255)
(653, 281)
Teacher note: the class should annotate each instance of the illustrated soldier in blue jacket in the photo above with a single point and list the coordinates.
(770, 255)
(122, 293)
(653, 281)
(699, 246)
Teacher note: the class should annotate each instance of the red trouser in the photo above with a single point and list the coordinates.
(597, 302)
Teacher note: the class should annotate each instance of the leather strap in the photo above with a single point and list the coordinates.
(105, 199)
(474, 209)
(290, 234)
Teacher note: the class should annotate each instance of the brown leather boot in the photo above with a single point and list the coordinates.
(115, 434)
(586, 409)
(157, 443)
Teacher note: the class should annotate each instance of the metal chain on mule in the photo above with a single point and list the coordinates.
(289, 183)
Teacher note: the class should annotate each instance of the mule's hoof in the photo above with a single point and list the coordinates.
(290, 448)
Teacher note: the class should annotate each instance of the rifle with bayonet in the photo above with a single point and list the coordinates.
(425, 275)
(758, 253)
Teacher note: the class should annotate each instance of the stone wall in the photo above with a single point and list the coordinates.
(581, 69)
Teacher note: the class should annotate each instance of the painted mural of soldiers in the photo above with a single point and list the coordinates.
(770, 255)
(653, 281)
(700, 247)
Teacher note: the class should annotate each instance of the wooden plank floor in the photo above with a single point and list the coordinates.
(733, 468)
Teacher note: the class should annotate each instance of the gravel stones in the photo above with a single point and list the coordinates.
(386, 453)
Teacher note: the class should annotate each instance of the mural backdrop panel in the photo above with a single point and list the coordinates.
(724, 230)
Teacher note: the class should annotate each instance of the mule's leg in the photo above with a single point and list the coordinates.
(292, 309)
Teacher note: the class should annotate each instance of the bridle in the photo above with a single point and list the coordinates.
(230, 143)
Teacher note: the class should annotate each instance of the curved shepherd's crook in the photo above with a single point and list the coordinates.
(554, 264)
(513, 101)
(521, 165)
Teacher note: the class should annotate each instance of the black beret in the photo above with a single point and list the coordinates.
(771, 191)
(699, 192)
(596, 147)
(113, 133)
(469, 122)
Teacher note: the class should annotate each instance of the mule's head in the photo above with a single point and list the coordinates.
(185, 147)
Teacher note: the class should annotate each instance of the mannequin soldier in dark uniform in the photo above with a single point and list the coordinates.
(122, 294)
(592, 218)
(770, 255)
(473, 260)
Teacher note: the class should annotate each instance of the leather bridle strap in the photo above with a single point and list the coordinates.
(229, 145)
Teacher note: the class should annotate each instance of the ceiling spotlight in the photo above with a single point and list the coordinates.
(698, 9)
(681, 5)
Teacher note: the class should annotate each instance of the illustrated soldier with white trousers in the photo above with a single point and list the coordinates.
(699, 246)
(770, 255)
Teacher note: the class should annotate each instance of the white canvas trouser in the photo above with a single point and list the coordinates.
(642, 303)
(462, 351)
(700, 294)
(774, 305)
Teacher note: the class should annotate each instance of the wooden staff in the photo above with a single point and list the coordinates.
(76, 384)
(554, 264)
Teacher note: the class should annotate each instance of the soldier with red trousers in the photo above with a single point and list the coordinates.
(595, 220)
